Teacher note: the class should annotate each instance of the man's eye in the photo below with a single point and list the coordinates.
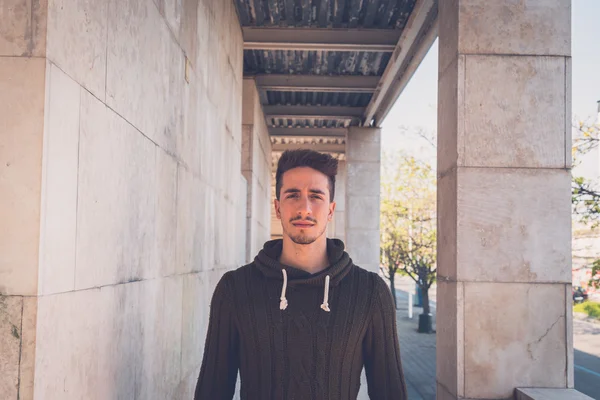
(316, 197)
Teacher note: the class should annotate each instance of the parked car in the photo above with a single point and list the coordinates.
(579, 294)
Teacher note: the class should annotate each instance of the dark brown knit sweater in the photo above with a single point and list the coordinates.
(288, 346)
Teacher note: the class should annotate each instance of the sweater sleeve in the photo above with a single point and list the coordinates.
(381, 348)
(218, 373)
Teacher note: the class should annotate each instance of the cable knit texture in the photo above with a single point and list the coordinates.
(302, 352)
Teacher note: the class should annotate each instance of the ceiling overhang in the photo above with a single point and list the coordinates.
(324, 66)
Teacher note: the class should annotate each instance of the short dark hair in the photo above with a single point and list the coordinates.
(321, 162)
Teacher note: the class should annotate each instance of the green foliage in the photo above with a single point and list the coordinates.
(585, 199)
(408, 219)
(590, 308)
(595, 281)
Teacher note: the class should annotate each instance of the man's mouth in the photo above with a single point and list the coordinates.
(302, 224)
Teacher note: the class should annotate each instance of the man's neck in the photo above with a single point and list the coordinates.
(311, 258)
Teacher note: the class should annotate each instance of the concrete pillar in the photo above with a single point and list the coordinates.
(23, 77)
(339, 218)
(504, 263)
(256, 168)
(363, 158)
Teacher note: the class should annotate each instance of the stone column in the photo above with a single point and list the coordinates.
(22, 101)
(256, 168)
(504, 217)
(339, 219)
(363, 157)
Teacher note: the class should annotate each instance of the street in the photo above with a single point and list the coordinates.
(586, 342)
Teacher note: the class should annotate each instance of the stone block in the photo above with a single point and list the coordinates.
(340, 187)
(364, 134)
(160, 357)
(521, 122)
(450, 337)
(447, 227)
(166, 214)
(117, 199)
(192, 240)
(145, 72)
(11, 312)
(513, 225)
(549, 394)
(76, 41)
(569, 334)
(59, 183)
(172, 10)
(362, 178)
(568, 113)
(195, 313)
(28, 340)
(23, 28)
(201, 60)
(188, 31)
(73, 356)
(537, 27)
(189, 147)
(528, 346)
(441, 393)
(363, 246)
(22, 126)
(359, 150)
(363, 212)
(448, 35)
(450, 111)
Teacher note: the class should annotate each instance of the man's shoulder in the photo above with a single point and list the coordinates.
(367, 277)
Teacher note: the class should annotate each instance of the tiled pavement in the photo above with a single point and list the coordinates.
(417, 351)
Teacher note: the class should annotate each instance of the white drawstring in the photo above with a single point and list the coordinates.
(284, 303)
(325, 305)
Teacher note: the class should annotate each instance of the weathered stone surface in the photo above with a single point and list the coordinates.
(450, 113)
(507, 225)
(538, 27)
(530, 324)
(28, 340)
(166, 214)
(22, 124)
(193, 225)
(363, 212)
(117, 200)
(503, 127)
(549, 394)
(196, 307)
(363, 246)
(362, 177)
(450, 337)
(59, 199)
(447, 226)
(11, 311)
(23, 28)
(77, 34)
(145, 71)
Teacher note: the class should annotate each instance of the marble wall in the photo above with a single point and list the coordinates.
(122, 164)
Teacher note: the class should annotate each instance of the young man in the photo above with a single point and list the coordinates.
(302, 320)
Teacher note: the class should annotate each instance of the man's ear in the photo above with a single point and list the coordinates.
(331, 211)
(277, 210)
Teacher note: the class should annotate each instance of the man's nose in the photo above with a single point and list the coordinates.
(304, 208)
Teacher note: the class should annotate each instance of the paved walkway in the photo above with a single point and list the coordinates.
(417, 351)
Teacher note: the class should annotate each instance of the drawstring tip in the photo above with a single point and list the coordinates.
(325, 307)
(283, 304)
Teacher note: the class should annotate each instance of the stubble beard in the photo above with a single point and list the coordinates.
(303, 238)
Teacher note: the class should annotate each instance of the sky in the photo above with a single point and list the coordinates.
(416, 108)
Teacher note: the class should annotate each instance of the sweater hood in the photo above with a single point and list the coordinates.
(339, 265)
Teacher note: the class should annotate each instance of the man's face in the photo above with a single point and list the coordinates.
(303, 206)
